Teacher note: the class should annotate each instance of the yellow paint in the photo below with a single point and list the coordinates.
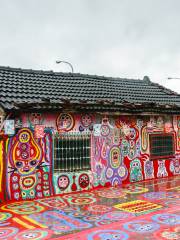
(23, 223)
(1, 164)
(144, 139)
(34, 222)
(178, 188)
(138, 206)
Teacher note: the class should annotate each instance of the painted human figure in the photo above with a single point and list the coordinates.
(175, 166)
(135, 171)
(162, 172)
(27, 176)
(148, 169)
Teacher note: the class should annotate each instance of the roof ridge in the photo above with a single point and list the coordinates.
(51, 72)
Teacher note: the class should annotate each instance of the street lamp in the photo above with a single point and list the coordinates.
(173, 78)
(66, 63)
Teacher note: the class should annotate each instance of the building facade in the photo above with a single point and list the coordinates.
(57, 144)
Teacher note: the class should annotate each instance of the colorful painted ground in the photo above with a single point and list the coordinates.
(147, 210)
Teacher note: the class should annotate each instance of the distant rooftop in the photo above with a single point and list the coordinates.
(25, 89)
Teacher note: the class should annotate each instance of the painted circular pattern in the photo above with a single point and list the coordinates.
(35, 234)
(27, 207)
(63, 182)
(55, 202)
(57, 229)
(111, 193)
(105, 130)
(28, 182)
(98, 209)
(115, 157)
(92, 218)
(17, 205)
(4, 216)
(8, 232)
(78, 214)
(141, 226)
(168, 234)
(70, 209)
(122, 171)
(83, 180)
(81, 200)
(78, 195)
(24, 146)
(167, 218)
(65, 122)
(24, 137)
(135, 189)
(107, 235)
(109, 173)
(24, 155)
(103, 222)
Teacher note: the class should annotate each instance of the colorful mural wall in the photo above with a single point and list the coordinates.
(120, 152)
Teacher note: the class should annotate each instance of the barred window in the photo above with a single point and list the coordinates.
(72, 152)
(161, 145)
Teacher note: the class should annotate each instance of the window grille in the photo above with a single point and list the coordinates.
(161, 145)
(72, 152)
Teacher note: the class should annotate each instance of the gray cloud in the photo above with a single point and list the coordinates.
(125, 38)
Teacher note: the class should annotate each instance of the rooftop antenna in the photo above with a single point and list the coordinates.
(59, 61)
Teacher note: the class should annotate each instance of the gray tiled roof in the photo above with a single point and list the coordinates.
(33, 89)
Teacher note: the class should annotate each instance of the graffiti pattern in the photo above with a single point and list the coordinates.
(119, 153)
(29, 166)
(106, 213)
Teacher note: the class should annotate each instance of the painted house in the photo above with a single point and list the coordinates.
(64, 132)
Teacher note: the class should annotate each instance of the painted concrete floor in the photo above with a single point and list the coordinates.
(147, 210)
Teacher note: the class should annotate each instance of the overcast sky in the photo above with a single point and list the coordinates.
(120, 38)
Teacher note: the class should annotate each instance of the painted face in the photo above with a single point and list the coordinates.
(161, 164)
(135, 164)
(35, 118)
(135, 167)
(63, 182)
(160, 122)
(132, 133)
(26, 167)
(115, 157)
(86, 120)
(65, 122)
(83, 180)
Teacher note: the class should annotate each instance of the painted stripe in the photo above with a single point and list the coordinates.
(173, 188)
(23, 223)
(34, 221)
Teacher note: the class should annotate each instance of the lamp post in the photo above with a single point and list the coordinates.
(66, 63)
(173, 78)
